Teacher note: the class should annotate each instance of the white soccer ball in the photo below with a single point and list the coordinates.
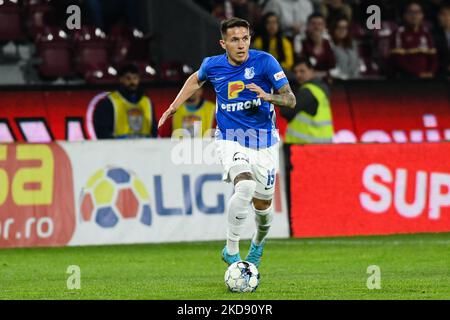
(242, 276)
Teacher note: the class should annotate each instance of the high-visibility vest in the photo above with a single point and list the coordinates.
(305, 128)
(131, 120)
(193, 124)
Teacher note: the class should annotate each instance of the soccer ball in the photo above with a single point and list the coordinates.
(113, 194)
(242, 276)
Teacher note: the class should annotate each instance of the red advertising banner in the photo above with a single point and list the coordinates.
(388, 112)
(370, 189)
(37, 206)
(362, 112)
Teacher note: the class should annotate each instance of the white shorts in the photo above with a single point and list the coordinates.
(262, 164)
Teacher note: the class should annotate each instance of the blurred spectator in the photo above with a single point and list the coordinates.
(345, 49)
(272, 40)
(413, 52)
(226, 9)
(127, 112)
(315, 46)
(293, 14)
(195, 118)
(242, 9)
(222, 9)
(334, 9)
(432, 9)
(311, 121)
(442, 39)
(105, 13)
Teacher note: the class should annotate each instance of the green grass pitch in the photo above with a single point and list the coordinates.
(412, 267)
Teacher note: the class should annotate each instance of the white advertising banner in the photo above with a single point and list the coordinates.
(154, 191)
(118, 192)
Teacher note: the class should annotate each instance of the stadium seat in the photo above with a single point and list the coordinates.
(129, 44)
(147, 72)
(174, 71)
(54, 51)
(102, 76)
(39, 16)
(91, 49)
(383, 38)
(357, 31)
(382, 43)
(370, 67)
(10, 22)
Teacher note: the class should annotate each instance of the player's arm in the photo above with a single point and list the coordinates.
(284, 98)
(191, 85)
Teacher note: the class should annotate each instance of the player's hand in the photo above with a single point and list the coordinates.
(169, 112)
(258, 90)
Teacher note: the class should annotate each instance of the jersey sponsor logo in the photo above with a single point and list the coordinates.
(240, 106)
(249, 73)
(234, 88)
(280, 75)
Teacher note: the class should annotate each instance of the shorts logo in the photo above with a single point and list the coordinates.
(234, 88)
(249, 73)
(238, 156)
(280, 75)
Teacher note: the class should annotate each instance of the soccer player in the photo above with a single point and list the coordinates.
(246, 135)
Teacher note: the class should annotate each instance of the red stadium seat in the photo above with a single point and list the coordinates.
(91, 49)
(129, 44)
(365, 51)
(10, 21)
(39, 16)
(54, 51)
(102, 76)
(147, 72)
(383, 38)
(357, 31)
(174, 71)
(382, 44)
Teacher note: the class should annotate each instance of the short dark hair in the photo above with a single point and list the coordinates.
(128, 68)
(305, 61)
(233, 23)
(316, 15)
(413, 2)
(444, 7)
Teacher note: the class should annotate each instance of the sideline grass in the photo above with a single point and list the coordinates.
(412, 267)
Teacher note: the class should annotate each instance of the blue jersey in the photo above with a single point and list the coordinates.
(241, 115)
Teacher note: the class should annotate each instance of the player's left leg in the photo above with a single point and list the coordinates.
(263, 218)
(265, 174)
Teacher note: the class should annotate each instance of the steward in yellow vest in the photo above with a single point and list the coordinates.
(126, 113)
(194, 118)
(311, 121)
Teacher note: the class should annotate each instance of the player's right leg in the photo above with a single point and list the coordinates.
(238, 211)
(238, 171)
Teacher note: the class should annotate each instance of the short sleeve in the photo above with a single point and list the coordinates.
(203, 71)
(275, 73)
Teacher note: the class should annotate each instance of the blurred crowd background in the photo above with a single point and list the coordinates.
(37, 47)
